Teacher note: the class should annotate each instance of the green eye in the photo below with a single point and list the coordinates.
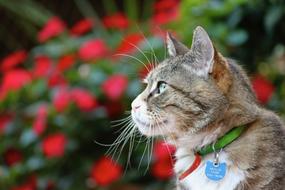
(161, 86)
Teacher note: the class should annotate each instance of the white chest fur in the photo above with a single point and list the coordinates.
(198, 180)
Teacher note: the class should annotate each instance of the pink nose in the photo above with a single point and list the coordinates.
(136, 107)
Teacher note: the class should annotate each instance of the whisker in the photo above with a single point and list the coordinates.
(130, 56)
(149, 45)
(142, 54)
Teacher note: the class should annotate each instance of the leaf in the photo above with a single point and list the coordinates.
(272, 17)
(237, 37)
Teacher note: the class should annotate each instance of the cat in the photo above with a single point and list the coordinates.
(195, 98)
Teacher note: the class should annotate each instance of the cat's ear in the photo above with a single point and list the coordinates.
(175, 47)
(203, 50)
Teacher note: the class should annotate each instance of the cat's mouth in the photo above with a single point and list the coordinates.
(153, 124)
(150, 128)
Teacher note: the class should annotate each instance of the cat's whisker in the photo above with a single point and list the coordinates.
(145, 148)
(149, 45)
(165, 128)
(119, 120)
(142, 54)
(127, 139)
(148, 153)
(117, 141)
(130, 56)
(122, 147)
(120, 123)
(122, 137)
(128, 111)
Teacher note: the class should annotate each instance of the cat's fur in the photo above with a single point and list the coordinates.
(205, 96)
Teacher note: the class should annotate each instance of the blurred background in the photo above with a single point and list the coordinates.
(69, 68)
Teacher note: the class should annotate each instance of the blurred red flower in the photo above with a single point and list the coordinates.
(84, 100)
(163, 150)
(82, 27)
(30, 184)
(164, 5)
(61, 99)
(166, 11)
(13, 60)
(115, 86)
(163, 164)
(5, 119)
(92, 50)
(56, 79)
(52, 28)
(129, 43)
(54, 145)
(263, 88)
(12, 156)
(105, 171)
(162, 168)
(15, 79)
(43, 66)
(65, 62)
(40, 122)
(116, 21)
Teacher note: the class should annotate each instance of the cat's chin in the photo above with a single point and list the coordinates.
(151, 129)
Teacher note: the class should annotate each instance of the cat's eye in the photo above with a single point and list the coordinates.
(161, 86)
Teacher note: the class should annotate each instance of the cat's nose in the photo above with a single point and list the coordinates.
(135, 108)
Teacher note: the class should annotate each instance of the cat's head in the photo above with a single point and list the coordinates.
(185, 92)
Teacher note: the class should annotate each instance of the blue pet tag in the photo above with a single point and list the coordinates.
(215, 172)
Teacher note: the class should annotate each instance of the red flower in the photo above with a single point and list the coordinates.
(12, 156)
(43, 66)
(84, 100)
(54, 145)
(166, 11)
(162, 150)
(162, 168)
(40, 121)
(105, 171)
(263, 88)
(163, 165)
(15, 79)
(65, 62)
(5, 119)
(164, 5)
(129, 43)
(56, 79)
(13, 60)
(115, 86)
(82, 27)
(30, 184)
(165, 17)
(61, 99)
(116, 21)
(52, 28)
(92, 50)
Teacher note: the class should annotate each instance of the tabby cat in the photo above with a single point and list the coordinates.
(203, 103)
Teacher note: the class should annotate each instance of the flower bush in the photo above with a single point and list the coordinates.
(59, 98)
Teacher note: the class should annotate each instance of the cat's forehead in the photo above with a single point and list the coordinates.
(171, 69)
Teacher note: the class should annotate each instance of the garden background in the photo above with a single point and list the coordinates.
(68, 68)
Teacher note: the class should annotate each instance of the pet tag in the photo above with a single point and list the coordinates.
(215, 171)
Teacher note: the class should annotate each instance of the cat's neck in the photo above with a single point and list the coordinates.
(209, 134)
